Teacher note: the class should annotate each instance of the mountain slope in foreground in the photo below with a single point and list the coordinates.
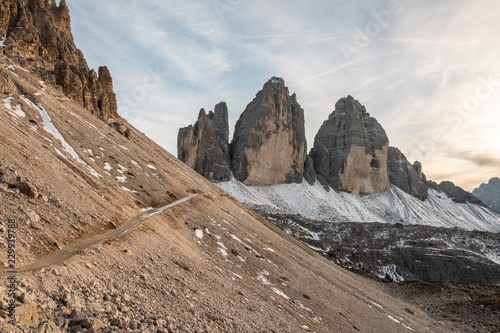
(208, 264)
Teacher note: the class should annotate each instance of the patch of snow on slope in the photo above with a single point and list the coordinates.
(16, 110)
(393, 206)
(121, 179)
(129, 190)
(199, 233)
(107, 166)
(389, 271)
(48, 125)
(2, 42)
(41, 91)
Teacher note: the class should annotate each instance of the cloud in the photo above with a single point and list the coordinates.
(414, 74)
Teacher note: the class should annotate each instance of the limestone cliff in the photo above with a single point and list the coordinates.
(204, 146)
(37, 34)
(269, 144)
(407, 177)
(351, 149)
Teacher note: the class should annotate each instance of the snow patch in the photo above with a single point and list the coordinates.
(15, 110)
(121, 179)
(152, 167)
(280, 293)
(129, 190)
(48, 125)
(393, 206)
(2, 41)
(199, 233)
(41, 91)
(107, 166)
(391, 272)
(121, 169)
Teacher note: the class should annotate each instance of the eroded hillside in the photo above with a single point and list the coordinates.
(206, 265)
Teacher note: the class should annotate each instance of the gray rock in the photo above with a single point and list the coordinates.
(405, 176)
(489, 193)
(309, 172)
(269, 144)
(204, 146)
(350, 150)
(458, 194)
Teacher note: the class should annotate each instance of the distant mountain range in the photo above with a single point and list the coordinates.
(489, 193)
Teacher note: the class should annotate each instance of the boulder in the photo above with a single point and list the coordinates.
(269, 144)
(350, 150)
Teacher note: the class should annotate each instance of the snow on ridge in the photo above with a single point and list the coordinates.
(393, 206)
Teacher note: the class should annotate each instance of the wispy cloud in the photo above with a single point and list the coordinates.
(412, 74)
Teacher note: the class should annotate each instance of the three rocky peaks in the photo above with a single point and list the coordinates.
(351, 150)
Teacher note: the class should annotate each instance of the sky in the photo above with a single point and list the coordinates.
(427, 70)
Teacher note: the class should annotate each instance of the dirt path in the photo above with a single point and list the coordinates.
(62, 255)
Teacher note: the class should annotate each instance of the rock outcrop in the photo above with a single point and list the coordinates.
(351, 149)
(204, 146)
(269, 144)
(38, 34)
(489, 194)
(407, 177)
(456, 193)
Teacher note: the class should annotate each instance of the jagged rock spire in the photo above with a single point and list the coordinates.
(269, 144)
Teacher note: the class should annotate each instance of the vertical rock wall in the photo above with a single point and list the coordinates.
(351, 149)
(269, 144)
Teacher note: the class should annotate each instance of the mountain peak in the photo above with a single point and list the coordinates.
(38, 36)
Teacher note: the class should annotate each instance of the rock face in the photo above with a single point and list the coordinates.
(204, 146)
(351, 149)
(406, 176)
(489, 193)
(38, 34)
(399, 252)
(456, 193)
(269, 144)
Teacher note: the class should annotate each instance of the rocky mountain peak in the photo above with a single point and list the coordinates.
(37, 36)
(349, 105)
(350, 150)
(269, 144)
(204, 146)
(489, 193)
(405, 176)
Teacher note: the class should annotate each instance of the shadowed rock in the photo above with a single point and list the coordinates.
(204, 146)
(489, 193)
(406, 176)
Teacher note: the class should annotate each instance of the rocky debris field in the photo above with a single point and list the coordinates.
(403, 257)
(468, 307)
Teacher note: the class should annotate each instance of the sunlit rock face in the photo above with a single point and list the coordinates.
(269, 144)
(351, 149)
